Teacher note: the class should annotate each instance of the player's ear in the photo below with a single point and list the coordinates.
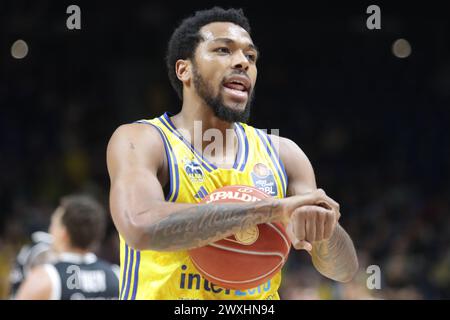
(65, 237)
(183, 69)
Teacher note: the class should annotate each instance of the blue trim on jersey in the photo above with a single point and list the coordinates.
(171, 159)
(169, 125)
(124, 271)
(279, 159)
(175, 165)
(136, 274)
(240, 145)
(177, 177)
(262, 135)
(196, 155)
(244, 162)
(203, 191)
(201, 194)
(127, 291)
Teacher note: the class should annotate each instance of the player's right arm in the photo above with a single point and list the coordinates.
(137, 164)
(36, 286)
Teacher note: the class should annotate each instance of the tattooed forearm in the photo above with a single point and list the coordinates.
(203, 224)
(336, 257)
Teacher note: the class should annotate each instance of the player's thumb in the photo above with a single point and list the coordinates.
(302, 245)
(297, 244)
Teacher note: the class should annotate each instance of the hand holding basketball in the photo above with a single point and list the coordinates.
(248, 258)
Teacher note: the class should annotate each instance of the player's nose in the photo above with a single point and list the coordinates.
(240, 61)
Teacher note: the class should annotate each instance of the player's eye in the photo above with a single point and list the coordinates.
(251, 57)
(223, 50)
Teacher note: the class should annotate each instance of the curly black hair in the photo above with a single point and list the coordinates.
(186, 37)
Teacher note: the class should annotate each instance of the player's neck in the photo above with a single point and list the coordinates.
(202, 114)
(75, 251)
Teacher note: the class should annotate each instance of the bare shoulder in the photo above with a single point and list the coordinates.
(36, 286)
(289, 151)
(135, 145)
(297, 165)
(133, 134)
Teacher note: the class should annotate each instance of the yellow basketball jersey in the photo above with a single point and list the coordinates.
(150, 274)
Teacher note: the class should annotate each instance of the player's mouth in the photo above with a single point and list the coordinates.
(237, 87)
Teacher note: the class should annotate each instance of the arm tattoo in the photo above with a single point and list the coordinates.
(336, 258)
(203, 224)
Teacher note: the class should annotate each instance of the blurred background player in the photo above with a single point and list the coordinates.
(76, 273)
(38, 252)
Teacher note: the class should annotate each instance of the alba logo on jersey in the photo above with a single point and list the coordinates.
(193, 169)
(263, 179)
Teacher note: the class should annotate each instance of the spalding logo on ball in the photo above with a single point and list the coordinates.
(250, 257)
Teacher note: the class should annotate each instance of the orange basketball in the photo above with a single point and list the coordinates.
(247, 259)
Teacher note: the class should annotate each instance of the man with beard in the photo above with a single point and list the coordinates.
(158, 177)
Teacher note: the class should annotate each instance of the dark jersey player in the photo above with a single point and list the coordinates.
(37, 252)
(76, 273)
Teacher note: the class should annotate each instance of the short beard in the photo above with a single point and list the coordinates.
(217, 104)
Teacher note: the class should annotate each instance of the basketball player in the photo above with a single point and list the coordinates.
(38, 252)
(77, 273)
(158, 177)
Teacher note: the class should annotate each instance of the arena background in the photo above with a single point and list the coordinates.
(374, 125)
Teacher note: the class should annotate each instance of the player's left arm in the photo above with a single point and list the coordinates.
(316, 229)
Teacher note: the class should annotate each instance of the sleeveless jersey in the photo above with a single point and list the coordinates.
(80, 277)
(147, 274)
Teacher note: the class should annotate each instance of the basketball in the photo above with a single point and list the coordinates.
(247, 259)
